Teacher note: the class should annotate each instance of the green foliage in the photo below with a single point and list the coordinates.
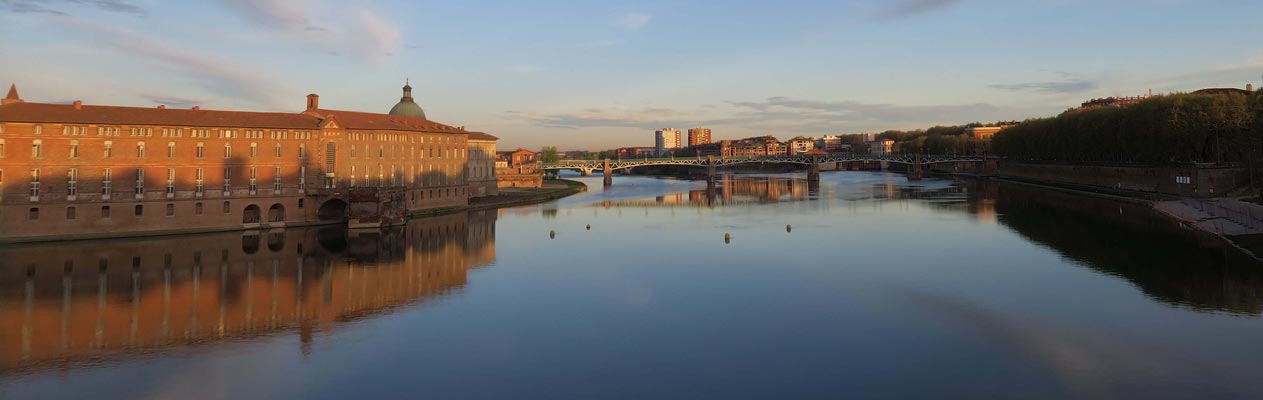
(549, 154)
(1177, 128)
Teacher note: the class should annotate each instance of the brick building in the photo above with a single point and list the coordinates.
(699, 136)
(94, 171)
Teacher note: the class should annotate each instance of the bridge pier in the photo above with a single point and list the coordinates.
(710, 170)
(915, 172)
(813, 172)
(609, 173)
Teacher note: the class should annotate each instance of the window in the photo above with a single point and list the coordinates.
(72, 182)
(140, 182)
(39, 129)
(300, 202)
(170, 210)
(254, 179)
(352, 151)
(227, 180)
(227, 207)
(302, 179)
(140, 149)
(107, 178)
(302, 150)
(254, 150)
(278, 151)
(105, 211)
(197, 208)
(74, 149)
(140, 210)
(276, 180)
(37, 149)
(227, 150)
(1, 148)
(201, 150)
(170, 149)
(33, 214)
(199, 179)
(109, 149)
(35, 184)
(170, 182)
(70, 213)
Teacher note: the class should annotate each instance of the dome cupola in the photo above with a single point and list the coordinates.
(406, 107)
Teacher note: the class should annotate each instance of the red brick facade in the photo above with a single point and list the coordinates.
(69, 171)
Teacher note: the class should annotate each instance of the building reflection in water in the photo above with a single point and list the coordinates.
(730, 190)
(68, 303)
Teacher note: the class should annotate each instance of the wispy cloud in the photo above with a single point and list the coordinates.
(214, 74)
(523, 68)
(896, 9)
(51, 6)
(633, 21)
(360, 31)
(172, 101)
(605, 117)
(599, 43)
(1071, 83)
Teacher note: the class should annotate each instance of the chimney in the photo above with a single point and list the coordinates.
(195, 108)
(162, 106)
(78, 104)
(313, 102)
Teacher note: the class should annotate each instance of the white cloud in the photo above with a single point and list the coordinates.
(365, 34)
(633, 21)
(228, 79)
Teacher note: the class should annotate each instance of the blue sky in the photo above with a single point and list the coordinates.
(604, 74)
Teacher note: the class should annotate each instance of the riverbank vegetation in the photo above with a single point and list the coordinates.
(1168, 129)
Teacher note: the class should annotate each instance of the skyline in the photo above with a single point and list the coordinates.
(607, 75)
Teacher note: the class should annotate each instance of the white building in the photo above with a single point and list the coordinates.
(666, 140)
(829, 143)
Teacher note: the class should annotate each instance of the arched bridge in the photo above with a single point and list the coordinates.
(608, 166)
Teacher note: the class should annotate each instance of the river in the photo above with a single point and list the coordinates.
(865, 285)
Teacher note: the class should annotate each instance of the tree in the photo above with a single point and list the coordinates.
(549, 154)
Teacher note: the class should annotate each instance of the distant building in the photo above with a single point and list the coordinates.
(666, 140)
(800, 145)
(1112, 102)
(869, 137)
(480, 169)
(699, 136)
(880, 147)
(518, 168)
(829, 143)
(637, 152)
(576, 155)
(986, 132)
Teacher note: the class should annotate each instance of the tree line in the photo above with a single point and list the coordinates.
(1167, 129)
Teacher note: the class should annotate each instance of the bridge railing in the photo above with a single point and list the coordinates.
(798, 157)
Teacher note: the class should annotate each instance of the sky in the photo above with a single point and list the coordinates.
(589, 75)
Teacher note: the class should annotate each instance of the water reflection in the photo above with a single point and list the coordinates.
(1170, 264)
(66, 304)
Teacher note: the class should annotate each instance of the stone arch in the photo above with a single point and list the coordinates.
(251, 215)
(276, 213)
(332, 210)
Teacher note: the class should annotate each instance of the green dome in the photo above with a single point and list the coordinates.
(406, 107)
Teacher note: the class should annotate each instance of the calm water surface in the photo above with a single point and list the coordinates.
(880, 289)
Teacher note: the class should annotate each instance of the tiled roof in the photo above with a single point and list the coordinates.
(116, 115)
(481, 136)
(363, 120)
